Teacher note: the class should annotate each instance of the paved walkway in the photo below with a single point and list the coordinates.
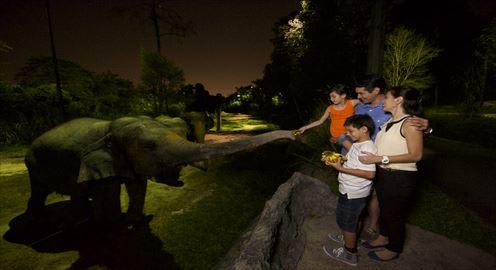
(423, 250)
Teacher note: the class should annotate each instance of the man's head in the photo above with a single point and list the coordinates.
(359, 127)
(370, 87)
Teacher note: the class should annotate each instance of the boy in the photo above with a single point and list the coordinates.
(355, 182)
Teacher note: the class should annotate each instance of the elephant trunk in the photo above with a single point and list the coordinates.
(207, 151)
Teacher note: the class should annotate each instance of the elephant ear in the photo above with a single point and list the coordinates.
(96, 161)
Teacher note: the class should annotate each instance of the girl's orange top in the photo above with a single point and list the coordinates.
(338, 117)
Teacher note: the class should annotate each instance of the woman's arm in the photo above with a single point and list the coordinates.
(414, 142)
(316, 123)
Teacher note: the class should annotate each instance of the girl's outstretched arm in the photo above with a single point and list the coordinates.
(316, 123)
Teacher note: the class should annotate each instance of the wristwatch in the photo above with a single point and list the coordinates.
(428, 131)
(385, 160)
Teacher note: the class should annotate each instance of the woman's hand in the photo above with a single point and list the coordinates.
(369, 158)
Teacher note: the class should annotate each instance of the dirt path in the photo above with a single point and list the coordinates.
(224, 137)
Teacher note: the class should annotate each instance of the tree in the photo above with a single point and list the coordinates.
(163, 16)
(324, 43)
(376, 38)
(54, 60)
(5, 49)
(407, 57)
(112, 95)
(160, 78)
(485, 56)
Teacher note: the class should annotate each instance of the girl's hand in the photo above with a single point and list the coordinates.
(369, 158)
(301, 130)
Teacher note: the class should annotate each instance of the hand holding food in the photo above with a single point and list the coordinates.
(332, 157)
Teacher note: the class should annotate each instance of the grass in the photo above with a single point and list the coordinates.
(235, 122)
(437, 212)
(202, 219)
(449, 124)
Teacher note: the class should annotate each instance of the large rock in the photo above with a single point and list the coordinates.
(276, 240)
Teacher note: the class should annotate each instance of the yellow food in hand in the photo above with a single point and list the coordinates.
(296, 133)
(332, 157)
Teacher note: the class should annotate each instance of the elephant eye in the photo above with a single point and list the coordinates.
(149, 145)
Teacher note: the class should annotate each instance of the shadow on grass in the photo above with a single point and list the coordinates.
(63, 229)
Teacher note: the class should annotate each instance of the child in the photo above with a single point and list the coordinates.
(340, 109)
(355, 182)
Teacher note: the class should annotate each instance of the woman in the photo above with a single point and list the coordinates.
(399, 147)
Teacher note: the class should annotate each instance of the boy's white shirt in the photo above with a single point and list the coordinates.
(354, 186)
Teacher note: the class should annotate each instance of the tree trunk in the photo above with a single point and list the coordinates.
(218, 111)
(55, 63)
(436, 96)
(156, 25)
(376, 38)
(483, 83)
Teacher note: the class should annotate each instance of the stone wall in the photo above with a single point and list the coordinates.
(276, 240)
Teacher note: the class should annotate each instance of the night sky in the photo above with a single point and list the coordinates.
(230, 48)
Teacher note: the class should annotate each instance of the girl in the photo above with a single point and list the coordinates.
(399, 147)
(340, 109)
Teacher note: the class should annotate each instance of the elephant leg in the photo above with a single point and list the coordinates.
(136, 190)
(106, 201)
(80, 198)
(170, 177)
(39, 193)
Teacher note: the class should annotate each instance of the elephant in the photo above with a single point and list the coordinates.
(89, 157)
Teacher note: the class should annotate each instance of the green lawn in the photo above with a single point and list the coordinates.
(236, 122)
(200, 220)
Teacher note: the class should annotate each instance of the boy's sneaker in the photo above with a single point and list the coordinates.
(342, 255)
(339, 238)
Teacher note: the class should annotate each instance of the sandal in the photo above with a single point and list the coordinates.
(371, 231)
(374, 257)
(367, 245)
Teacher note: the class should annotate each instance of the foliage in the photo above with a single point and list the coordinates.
(4, 47)
(160, 79)
(471, 82)
(323, 43)
(487, 45)
(197, 98)
(27, 109)
(478, 76)
(407, 57)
